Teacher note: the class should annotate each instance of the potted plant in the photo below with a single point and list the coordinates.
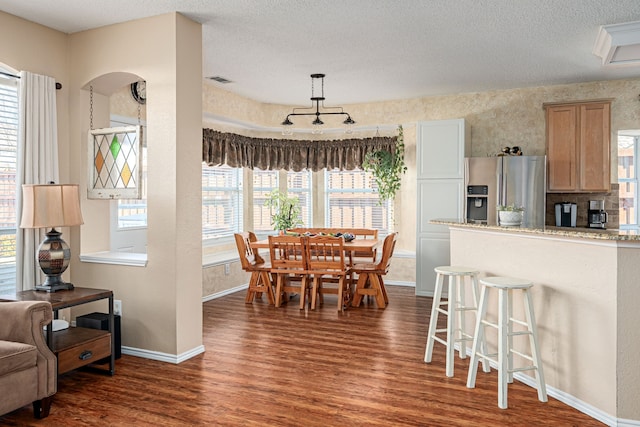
(387, 168)
(285, 210)
(510, 215)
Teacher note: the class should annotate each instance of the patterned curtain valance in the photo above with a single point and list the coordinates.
(273, 154)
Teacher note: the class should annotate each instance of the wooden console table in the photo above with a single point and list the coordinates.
(75, 347)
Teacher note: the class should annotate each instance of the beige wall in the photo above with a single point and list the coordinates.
(584, 298)
(161, 302)
(40, 50)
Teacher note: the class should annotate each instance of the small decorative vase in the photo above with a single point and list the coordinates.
(510, 218)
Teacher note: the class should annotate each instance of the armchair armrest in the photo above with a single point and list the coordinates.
(23, 321)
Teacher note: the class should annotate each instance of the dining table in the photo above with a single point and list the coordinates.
(355, 245)
(351, 248)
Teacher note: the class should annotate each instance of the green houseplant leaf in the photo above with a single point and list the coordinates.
(285, 210)
(387, 168)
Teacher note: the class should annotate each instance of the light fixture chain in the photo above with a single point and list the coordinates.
(139, 107)
(91, 107)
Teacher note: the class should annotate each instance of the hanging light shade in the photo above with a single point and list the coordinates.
(317, 102)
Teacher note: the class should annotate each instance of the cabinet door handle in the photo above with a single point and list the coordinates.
(85, 355)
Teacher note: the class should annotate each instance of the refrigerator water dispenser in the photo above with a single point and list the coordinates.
(477, 203)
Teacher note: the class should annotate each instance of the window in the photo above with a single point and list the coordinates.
(132, 213)
(8, 162)
(263, 183)
(299, 184)
(352, 202)
(221, 201)
(628, 178)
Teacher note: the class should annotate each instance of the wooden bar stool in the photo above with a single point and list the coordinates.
(455, 308)
(505, 286)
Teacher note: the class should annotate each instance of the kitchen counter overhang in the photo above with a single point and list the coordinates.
(571, 232)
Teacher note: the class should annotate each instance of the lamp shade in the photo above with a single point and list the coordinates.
(50, 205)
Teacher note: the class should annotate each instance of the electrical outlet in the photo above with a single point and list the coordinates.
(227, 269)
(117, 307)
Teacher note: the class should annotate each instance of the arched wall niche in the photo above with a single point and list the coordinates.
(112, 105)
(109, 83)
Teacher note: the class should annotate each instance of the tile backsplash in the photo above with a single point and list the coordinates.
(611, 205)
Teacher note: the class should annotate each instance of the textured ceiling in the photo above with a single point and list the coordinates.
(373, 50)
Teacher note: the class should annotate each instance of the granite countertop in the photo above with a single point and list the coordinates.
(577, 232)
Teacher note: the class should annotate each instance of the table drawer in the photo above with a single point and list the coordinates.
(85, 352)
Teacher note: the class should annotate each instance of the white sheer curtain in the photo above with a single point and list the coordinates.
(37, 164)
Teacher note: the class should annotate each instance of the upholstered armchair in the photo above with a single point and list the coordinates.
(27, 366)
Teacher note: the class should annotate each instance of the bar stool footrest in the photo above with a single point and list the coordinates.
(440, 340)
(524, 356)
(516, 333)
(524, 368)
(519, 322)
(490, 324)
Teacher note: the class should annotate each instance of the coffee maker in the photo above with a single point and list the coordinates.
(597, 215)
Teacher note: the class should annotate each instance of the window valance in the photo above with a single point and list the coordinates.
(274, 154)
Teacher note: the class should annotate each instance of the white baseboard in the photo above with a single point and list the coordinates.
(163, 357)
(567, 399)
(246, 285)
(225, 292)
(400, 283)
(627, 423)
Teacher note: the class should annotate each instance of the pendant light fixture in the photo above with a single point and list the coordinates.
(316, 103)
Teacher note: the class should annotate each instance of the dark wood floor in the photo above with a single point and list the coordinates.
(285, 367)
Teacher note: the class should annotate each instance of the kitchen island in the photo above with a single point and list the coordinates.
(586, 295)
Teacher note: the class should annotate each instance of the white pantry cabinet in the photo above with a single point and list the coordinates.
(441, 148)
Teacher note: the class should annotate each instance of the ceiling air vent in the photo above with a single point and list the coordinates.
(219, 79)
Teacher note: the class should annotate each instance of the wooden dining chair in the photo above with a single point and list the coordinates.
(260, 281)
(370, 281)
(326, 260)
(289, 266)
(363, 233)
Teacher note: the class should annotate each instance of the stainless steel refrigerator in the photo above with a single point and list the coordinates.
(505, 180)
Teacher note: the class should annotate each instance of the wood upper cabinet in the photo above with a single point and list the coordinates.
(578, 147)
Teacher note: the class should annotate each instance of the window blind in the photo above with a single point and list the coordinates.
(628, 180)
(352, 202)
(221, 201)
(299, 184)
(264, 182)
(132, 213)
(8, 161)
